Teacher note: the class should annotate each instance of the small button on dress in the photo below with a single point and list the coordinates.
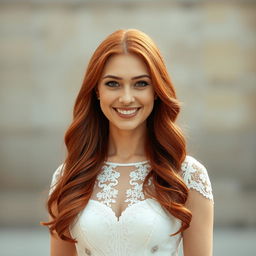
(154, 248)
(87, 251)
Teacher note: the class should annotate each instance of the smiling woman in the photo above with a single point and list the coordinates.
(127, 185)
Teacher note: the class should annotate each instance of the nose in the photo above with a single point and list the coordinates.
(126, 96)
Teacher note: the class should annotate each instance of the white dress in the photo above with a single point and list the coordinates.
(119, 220)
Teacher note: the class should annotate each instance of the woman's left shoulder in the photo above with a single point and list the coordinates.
(195, 176)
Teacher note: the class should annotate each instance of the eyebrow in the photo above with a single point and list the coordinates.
(120, 78)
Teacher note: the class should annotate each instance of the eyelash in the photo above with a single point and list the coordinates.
(108, 83)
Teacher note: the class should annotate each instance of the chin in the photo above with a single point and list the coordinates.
(127, 127)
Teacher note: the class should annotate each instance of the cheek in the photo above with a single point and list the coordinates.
(148, 98)
(106, 102)
(106, 97)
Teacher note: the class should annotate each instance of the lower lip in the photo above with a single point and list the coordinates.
(126, 115)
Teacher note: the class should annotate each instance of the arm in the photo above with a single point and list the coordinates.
(61, 248)
(198, 238)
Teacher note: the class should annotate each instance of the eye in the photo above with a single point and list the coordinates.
(142, 83)
(111, 84)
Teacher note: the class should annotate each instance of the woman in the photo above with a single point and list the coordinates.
(127, 186)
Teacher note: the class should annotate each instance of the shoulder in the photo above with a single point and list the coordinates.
(195, 176)
(191, 164)
(56, 176)
(57, 173)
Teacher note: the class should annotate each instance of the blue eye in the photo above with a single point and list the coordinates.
(111, 83)
(142, 83)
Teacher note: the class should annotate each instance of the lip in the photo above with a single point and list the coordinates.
(125, 115)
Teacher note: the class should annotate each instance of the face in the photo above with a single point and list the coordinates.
(125, 92)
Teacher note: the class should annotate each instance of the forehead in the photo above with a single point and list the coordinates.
(125, 65)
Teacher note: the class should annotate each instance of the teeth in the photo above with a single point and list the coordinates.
(126, 112)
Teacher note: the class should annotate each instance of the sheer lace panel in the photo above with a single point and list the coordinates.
(135, 193)
(120, 185)
(196, 176)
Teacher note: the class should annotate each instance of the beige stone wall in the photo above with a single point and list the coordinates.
(209, 48)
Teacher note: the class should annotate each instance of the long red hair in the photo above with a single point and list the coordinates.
(86, 138)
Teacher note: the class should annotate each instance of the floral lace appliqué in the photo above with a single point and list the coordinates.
(108, 193)
(196, 176)
(135, 193)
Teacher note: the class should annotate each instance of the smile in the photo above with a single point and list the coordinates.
(127, 113)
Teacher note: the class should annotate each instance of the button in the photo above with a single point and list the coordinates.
(154, 248)
(87, 251)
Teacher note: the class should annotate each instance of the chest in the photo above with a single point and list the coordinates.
(120, 186)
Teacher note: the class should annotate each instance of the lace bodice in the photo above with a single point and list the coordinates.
(120, 185)
(120, 219)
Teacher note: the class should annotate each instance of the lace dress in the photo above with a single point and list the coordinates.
(119, 220)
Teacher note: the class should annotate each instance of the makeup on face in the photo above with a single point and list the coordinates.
(126, 91)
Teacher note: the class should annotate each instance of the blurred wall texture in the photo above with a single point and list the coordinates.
(209, 48)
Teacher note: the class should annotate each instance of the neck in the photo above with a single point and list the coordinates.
(126, 145)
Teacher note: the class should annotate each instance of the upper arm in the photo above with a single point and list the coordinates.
(60, 247)
(198, 238)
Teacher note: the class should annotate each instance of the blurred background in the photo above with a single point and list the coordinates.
(210, 51)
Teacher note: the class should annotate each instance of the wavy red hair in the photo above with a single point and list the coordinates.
(87, 137)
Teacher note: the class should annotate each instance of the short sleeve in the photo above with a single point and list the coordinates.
(195, 176)
(55, 177)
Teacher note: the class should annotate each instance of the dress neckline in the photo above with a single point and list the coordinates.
(126, 164)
